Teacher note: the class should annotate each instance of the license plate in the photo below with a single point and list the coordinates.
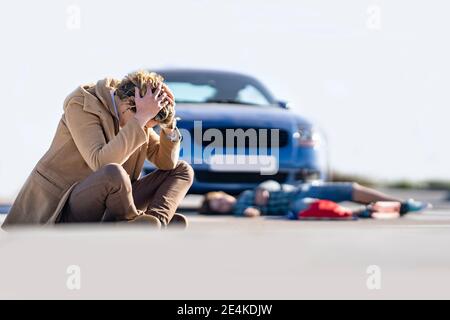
(266, 165)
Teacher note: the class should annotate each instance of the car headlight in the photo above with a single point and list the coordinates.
(307, 137)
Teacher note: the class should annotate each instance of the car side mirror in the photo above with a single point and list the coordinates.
(284, 104)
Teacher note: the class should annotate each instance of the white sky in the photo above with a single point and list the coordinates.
(379, 88)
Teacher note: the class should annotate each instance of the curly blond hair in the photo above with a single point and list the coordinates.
(125, 90)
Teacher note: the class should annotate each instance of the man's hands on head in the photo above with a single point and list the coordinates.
(170, 123)
(151, 124)
(170, 96)
(148, 106)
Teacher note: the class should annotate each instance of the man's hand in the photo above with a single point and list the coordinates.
(152, 124)
(148, 107)
(252, 212)
(167, 129)
(170, 96)
(170, 123)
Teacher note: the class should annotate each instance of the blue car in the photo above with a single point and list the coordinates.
(236, 135)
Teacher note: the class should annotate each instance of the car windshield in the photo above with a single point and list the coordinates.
(217, 88)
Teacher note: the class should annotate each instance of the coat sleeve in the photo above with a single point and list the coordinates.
(87, 132)
(162, 152)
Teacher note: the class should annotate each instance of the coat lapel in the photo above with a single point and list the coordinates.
(98, 101)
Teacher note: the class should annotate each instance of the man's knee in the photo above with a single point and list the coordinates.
(115, 172)
(186, 170)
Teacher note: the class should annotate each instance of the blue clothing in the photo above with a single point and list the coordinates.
(286, 198)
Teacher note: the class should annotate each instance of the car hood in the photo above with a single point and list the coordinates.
(239, 115)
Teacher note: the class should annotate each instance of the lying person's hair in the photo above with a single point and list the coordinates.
(125, 90)
(205, 208)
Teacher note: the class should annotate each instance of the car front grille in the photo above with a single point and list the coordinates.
(237, 177)
(307, 175)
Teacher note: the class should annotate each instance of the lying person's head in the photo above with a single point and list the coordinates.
(217, 203)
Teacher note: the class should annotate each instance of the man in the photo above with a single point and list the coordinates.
(91, 171)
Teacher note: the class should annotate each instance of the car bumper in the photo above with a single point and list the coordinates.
(206, 180)
(236, 182)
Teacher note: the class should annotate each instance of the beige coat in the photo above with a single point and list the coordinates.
(87, 138)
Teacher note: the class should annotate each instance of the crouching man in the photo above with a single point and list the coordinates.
(91, 171)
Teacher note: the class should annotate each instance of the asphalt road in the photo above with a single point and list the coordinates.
(237, 258)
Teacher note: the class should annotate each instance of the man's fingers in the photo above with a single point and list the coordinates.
(163, 100)
(149, 92)
(171, 101)
(160, 104)
(137, 95)
(168, 91)
(158, 90)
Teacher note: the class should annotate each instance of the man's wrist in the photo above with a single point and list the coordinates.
(170, 126)
(142, 122)
(172, 134)
(167, 130)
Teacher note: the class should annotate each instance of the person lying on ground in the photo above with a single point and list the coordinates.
(91, 173)
(272, 199)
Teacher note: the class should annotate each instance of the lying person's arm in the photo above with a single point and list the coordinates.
(246, 203)
(252, 212)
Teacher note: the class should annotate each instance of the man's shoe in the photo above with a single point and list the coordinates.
(178, 221)
(146, 219)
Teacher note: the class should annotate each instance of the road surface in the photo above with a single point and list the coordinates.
(236, 258)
